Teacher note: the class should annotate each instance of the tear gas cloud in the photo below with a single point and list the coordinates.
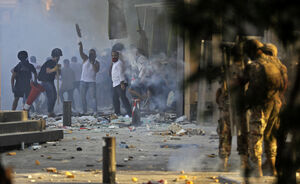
(38, 26)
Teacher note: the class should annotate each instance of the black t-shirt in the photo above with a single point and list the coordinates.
(24, 72)
(43, 75)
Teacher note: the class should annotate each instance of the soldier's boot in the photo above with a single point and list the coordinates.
(223, 167)
(225, 164)
(266, 168)
(257, 170)
(272, 162)
(244, 162)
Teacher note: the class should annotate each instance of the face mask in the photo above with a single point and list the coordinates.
(92, 56)
(25, 61)
(114, 60)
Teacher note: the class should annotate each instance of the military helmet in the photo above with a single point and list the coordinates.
(270, 48)
(56, 52)
(251, 47)
(118, 47)
(252, 44)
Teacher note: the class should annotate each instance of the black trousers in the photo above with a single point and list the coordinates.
(118, 93)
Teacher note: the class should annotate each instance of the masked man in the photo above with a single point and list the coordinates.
(90, 68)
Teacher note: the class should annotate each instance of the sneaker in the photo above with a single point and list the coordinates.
(51, 115)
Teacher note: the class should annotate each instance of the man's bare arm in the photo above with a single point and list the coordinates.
(82, 54)
(35, 76)
(12, 80)
(96, 67)
(51, 70)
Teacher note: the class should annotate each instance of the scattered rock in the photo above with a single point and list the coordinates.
(51, 169)
(79, 149)
(11, 153)
(197, 131)
(174, 128)
(212, 155)
(134, 179)
(181, 119)
(183, 177)
(69, 174)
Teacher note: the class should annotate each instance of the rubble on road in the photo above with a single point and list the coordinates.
(164, 124)
(177, 129)
(177, 146)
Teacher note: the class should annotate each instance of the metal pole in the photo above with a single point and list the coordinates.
(67, 113)
(109, 160)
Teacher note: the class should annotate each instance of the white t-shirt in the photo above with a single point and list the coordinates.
(88, 73)
(117, 73)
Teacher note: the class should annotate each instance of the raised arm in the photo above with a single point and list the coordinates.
(82, 54)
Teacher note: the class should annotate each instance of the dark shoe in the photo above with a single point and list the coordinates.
(51, 115)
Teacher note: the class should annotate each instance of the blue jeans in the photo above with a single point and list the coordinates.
(70, 96)
(51, 95)
(84, 87)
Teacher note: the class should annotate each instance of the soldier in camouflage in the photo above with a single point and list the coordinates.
(263, 100)
(274, 121)
(223, 129)
(236, 85)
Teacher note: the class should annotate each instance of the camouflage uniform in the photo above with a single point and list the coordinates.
(237, 95)
(223, 129)
(270, 136)
(264, 102)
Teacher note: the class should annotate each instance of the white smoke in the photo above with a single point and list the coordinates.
(29, 26)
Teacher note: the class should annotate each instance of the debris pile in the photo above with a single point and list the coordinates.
(177, 129)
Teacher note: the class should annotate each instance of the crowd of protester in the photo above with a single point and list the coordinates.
(91, 81)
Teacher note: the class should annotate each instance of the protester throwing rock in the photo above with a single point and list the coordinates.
(90, 67)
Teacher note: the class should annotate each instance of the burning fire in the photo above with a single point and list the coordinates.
(49, 4)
